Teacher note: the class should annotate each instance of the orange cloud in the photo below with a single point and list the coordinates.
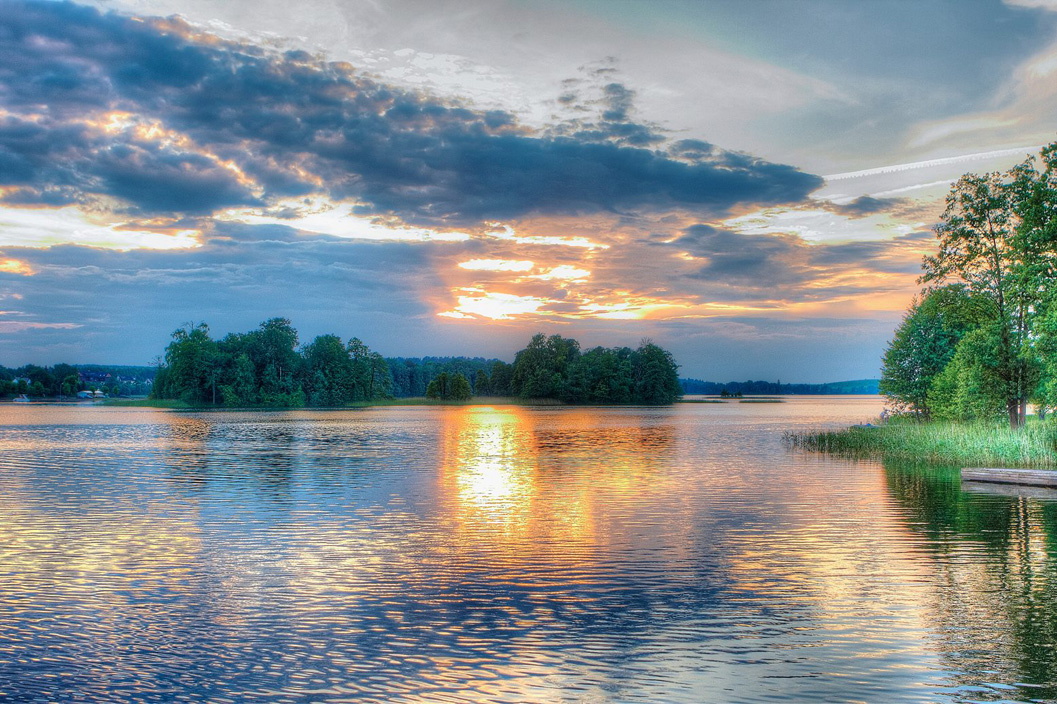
(14, 266)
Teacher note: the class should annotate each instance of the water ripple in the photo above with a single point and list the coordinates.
(506, 554)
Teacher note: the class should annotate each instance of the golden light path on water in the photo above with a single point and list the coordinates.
(500, 553)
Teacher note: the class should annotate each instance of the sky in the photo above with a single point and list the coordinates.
(750, 185)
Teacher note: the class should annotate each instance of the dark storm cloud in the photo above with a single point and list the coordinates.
(290, 121)
(164, 180)
(48, 158)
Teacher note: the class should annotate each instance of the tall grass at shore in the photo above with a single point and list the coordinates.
(965, 445)
(145, 403)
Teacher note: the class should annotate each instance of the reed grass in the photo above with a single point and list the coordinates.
(954, 444)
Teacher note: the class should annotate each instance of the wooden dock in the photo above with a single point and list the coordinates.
(1027, 477)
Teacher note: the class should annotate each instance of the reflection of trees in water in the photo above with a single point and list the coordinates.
(266, 449)
(996, 562)
(636, 445)
(629, 439)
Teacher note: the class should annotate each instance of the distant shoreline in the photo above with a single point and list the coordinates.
(175, 404)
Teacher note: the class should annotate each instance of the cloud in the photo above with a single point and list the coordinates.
(785, 269)
(211, 123)
(139, 296)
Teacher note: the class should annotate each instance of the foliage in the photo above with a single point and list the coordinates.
(66, 380)
(968, 388)
(541, 369)
(923, 345)
(554, 367)
(449, 387)
(264, 367)
(412, 375)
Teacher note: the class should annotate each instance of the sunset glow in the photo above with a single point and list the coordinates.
(494, 305)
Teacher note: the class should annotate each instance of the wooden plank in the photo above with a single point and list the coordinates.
(1048, 493)
(1028, 477)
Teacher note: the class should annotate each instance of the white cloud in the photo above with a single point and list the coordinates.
(821, 226)
(48, 227)
(336, 220)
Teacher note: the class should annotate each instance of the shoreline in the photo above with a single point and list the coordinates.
(415, 401)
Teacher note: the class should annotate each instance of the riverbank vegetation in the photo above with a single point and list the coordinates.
(267, 367)
(940, 442)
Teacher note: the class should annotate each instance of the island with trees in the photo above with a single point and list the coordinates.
(979, 344)
(268, 367)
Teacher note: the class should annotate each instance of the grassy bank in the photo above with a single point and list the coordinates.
(963, 445)
(145, 403)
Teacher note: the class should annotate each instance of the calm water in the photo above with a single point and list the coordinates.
(506, 554)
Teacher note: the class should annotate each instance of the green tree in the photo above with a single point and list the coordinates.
(541, 370)
(656, 375)
(480, 383)
(273, 349)
(983, 246)
(190, 361)
(449, 387)
(69, 385)
(968, 388)
(601, 375)
(499, 378)
(459, 388)
(329, 372)
(438, 387)
(923, 345)
(240, 388)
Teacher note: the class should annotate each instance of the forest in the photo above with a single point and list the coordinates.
(269, 367)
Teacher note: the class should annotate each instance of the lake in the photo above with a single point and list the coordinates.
(507, 554)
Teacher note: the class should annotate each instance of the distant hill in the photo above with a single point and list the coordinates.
(859, 386)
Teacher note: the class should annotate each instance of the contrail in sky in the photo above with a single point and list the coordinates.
(895, 168)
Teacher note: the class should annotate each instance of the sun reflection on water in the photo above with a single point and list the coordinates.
(493, 468)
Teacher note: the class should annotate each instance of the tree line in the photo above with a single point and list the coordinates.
(980, 341)
(67, 379)
(269, 367)
(715, 388)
